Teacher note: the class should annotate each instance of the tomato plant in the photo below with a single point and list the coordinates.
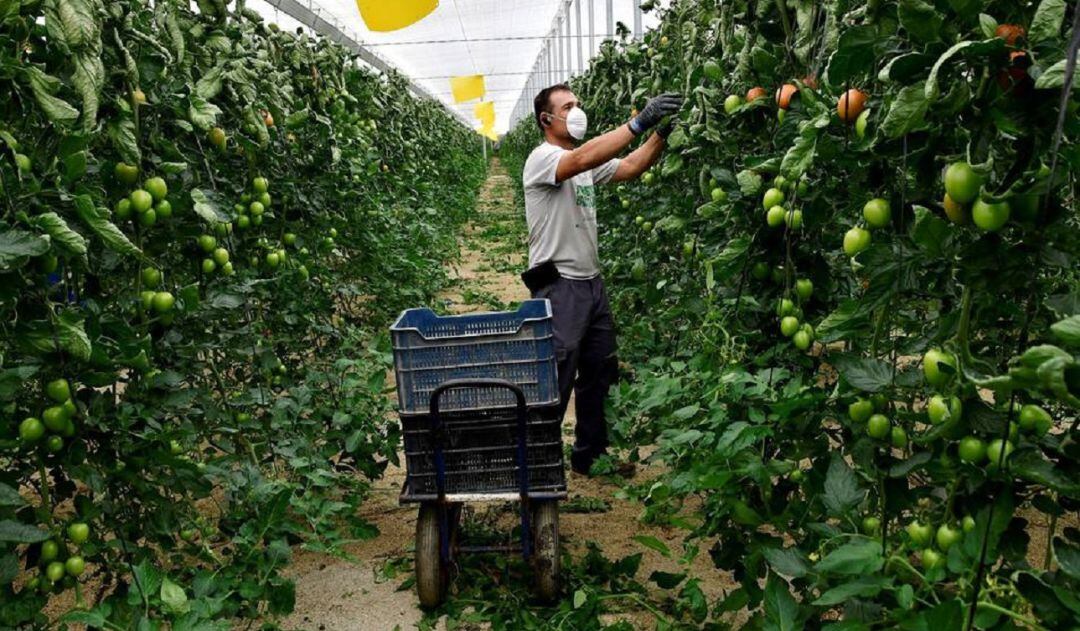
(158, 377)
(939, 309)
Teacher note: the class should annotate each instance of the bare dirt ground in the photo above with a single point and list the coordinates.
(335, 594)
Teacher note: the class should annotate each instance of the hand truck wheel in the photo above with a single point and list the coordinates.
(546, 560)
(432, 575)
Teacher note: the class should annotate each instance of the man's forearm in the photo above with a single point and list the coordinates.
(602, 149)
(632, 166)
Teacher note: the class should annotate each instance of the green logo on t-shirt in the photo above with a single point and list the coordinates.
(586, 196)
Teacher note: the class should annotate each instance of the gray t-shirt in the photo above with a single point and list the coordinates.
(562, 217)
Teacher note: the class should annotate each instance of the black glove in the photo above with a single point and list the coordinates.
(655, 111)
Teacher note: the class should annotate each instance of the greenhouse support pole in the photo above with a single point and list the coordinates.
(592, 28)
(568, 69)
(580, 44)
(637, 19)
(483, 142)
(559, 50)
(610, 18)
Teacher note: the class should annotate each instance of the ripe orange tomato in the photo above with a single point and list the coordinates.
(1011, 33)
(755, 93)
(850, 105)
(784, 94)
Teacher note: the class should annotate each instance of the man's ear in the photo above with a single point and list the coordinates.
(545, 119)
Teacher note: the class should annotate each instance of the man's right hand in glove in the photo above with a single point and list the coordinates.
(656, 110)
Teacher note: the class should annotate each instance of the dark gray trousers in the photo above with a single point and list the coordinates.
(585, 350)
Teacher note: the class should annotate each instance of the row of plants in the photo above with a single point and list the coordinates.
(207, 224)
(856, 324)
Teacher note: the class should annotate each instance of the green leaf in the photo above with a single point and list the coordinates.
(868, 374)
(800, 156)
(88, 79)
(71, 334)
(1054, 77)
(16, 245)
(966, 8)
(929, 231)
(903, 68)
(749, 182)
(203, 113)
(205, 207)
(209, 85)
(18, 532)
(667, 580)
(1068, 330)
(947, 615)
(9, 568)
(842, 492)
(1067, 556)
(122, 134)
(861, 555)
(988, 25)
(989, 47)
(781, 610)
(653, 543)
(10, 497)
(72, 23)
(58, 230)
(173, 597)
(854, 55)
(1047, 21)
(108, 232)
(579, 598)
(787, 562)
(921, 20)
(863, 587)
(907, 112)
(57, 110)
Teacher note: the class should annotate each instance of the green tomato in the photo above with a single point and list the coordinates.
(856, 240)
(265, 200)
(789, 325)
(151, 277)
(968, 523)
(860, 410)
(732, 103)
(760, 271)
(257, 220)
(54, 571)
(74, 566)
(947, 536)
(802, 340)
(272, 260)
(31, 430)
(785, 307)
(207, 243)
(998, 451)
(23, 163)
(333, 233)
(156, 187)
(303, 271)
(58, 390)
(861, 124)
(147, 218)
(877, 213)
(972, 450)
(939, 409)
(53, 444)
(208, 266)
(163, 209)
(260, 185)
(931, 559)
(256, 209)
(898, 437)
(55, 418)
(126, 173)
(48, 263)
(793, 219)
(772, 197)
(962, 183)
(50, 550)
(648, 178)
(221, 256)
(804, 288)
(878, 427)
(147, 299)
(163, 302)
(719, 195)
(122, 210)
(990, 217)
(141, 201)
(920, 534)
(932, 363)
(775, 217)
(243, 222)
(871, 525)
(288, 238)
(78, 532)
(1035, 419)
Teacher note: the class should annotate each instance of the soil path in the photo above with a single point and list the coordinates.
(364, 594)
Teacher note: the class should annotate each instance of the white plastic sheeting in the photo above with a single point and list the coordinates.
(500, 39)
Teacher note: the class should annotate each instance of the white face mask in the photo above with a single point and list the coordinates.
(577, 123)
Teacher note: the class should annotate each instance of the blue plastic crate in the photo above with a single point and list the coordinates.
(517, 346)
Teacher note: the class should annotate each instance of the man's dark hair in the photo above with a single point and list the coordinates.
(542, 102)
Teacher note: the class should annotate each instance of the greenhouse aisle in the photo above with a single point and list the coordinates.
(336, 594)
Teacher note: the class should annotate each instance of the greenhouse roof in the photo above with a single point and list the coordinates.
(499, 39)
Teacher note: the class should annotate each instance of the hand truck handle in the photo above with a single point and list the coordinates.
(460, 384)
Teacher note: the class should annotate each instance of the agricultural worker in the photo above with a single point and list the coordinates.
(564, 263)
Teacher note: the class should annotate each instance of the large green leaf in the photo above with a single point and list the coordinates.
(854, 55)
(18, 532)
(842, 492)
(122, 134)
(1068, 330)
(863, 587)
(868, 374)
(54, 225)
(800, 157)
(16, 245)
(205, 206)
(56, 110)
(98, 221)
(921, 20)
(1047, 21)
(72, 23)
(856, 557)
(973, 48)
(1054, 77)
(203, 113)
(907, 112)
(781, 610)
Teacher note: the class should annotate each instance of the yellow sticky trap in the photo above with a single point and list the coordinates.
(485, 112)
(391, 15)
(467, 88)
(488, 130)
